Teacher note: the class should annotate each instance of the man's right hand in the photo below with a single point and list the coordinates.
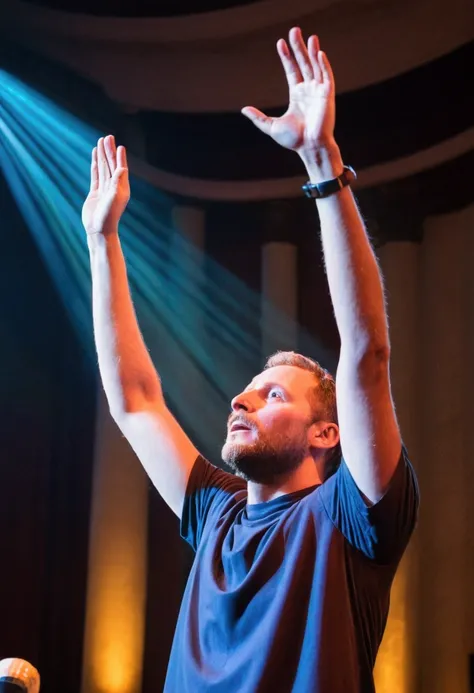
(110, 188)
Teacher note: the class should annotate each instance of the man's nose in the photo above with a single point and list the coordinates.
(244, 402)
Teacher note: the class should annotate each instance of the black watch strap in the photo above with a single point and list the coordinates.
(329, 187)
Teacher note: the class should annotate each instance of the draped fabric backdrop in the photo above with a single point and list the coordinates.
(47, 410)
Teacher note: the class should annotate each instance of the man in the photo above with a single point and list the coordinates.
(289, 590)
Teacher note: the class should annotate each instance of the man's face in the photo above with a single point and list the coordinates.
(267, 432)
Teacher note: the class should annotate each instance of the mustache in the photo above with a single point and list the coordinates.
(240, 419)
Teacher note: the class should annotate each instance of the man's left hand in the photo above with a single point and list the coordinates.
(308, 124)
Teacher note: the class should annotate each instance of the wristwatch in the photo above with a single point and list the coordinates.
(329, 187)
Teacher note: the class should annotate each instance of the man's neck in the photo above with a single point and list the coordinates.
(305, 476)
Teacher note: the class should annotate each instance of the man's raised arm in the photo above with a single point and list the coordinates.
(130, 380)
(370, 437)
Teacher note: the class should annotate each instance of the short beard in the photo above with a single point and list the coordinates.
(263, 462)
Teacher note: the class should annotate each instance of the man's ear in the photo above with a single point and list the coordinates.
(323, 435)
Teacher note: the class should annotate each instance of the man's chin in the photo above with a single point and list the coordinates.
(248, 463)
(237, 458)
(259, 463)
(232, 450)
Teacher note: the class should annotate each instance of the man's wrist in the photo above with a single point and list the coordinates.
(323, 162)
(100, 239)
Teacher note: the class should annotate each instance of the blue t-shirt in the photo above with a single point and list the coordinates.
(290, 595)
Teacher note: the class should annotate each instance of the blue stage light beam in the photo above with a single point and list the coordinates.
(203, 329)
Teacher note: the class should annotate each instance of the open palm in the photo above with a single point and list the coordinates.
(110, 188)
(309, 120)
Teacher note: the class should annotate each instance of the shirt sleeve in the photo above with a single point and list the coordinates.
(381, 531)
(209, 494)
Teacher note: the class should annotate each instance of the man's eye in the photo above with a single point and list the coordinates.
(274, 394)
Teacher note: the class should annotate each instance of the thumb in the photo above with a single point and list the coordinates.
(262, 121)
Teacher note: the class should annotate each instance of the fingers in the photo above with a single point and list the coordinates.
(111, 152)
(94, 171)
(292, 71)
(122, 167)
(326, 70)
(106, 160)
(313, 51)
(303, 63)
(262, 121)
(121, 157)
(103, 167)
(301, 54)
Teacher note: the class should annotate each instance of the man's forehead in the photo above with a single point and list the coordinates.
(280, 375)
